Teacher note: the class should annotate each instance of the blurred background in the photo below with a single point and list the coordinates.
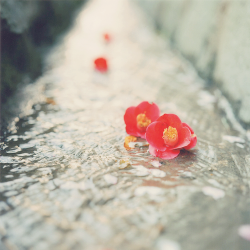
(28, 28)
(213, 35)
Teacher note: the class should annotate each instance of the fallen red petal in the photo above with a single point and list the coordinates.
(101, 64)
(107, 37)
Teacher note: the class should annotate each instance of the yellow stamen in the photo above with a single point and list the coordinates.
(142, 122)
(170, 136)
(129, 139)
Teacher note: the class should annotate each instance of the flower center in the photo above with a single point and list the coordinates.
(142, 122)
(170, 136)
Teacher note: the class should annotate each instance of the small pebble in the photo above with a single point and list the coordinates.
(110, 179)
(213, 192)
(244, 231)
(156, 164)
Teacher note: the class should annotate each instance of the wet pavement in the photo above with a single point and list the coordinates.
(64, 183)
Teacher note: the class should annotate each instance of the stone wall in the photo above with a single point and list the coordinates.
(215, 37)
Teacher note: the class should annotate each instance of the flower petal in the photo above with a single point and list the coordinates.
(193, 137)
(152, 111)
(186, 125)
(101, 64)
(192, 143)
(130, 121)
(166, 154)
(171, 120)
(143, 106)
(142, 135)
(184, 138)
(107, 37)
(154, 135)
(153, 151)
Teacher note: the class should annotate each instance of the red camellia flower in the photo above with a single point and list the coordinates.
(138, 118)
(101, 64)
(107, 37)
(168, 135)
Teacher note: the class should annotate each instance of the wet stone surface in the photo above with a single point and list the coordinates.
(67, 182)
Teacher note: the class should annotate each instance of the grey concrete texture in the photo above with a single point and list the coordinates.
(215, 37)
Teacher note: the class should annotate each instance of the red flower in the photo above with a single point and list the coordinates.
(101, 64)
(107, 37)
(168, 135)
(138, 118)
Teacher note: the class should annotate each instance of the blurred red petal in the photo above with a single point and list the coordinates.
(130, 121)
(106, 37)
(154, 135)
(101, 64)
